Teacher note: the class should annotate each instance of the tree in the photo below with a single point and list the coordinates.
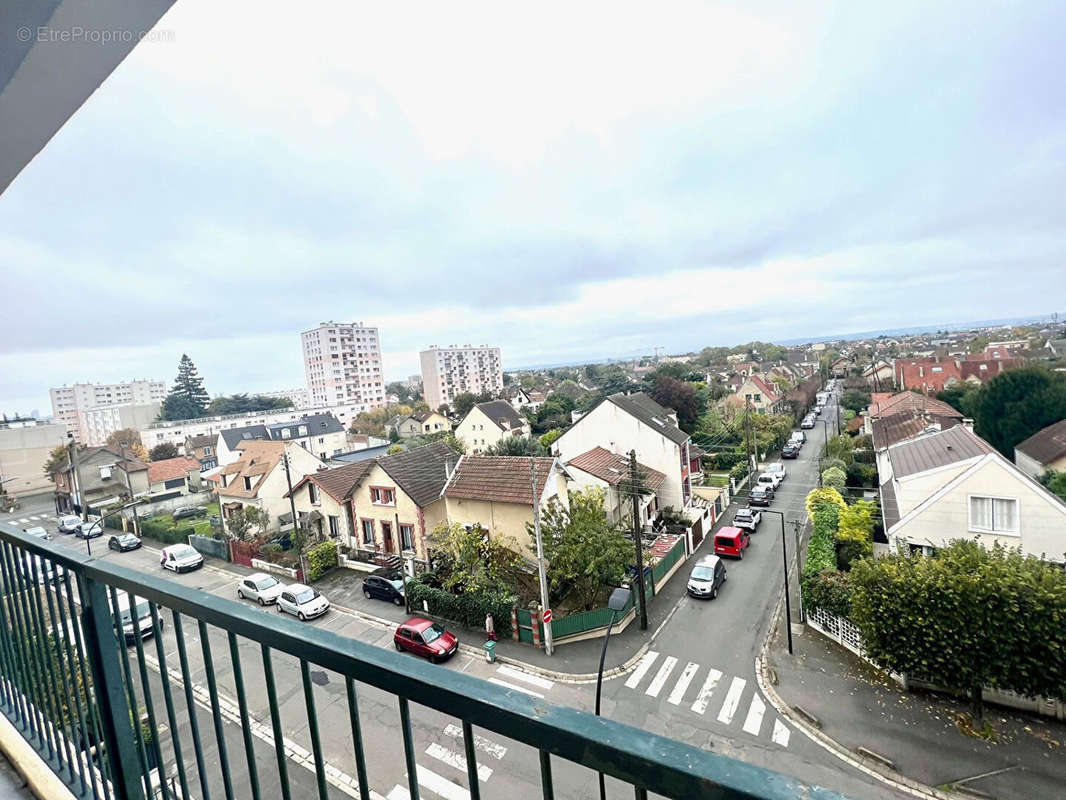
(966, 618)
(835, 478)
(855, 400)
(818, 500)
(681, 397)
(1016, 404)
(189, 387)
(129, 439)
(548, 439)
(962, 397)
(163, 451)
(517, 446)
(372, 422)
(463, 402)
(247, 522)
(58, 460)
(469, 560)
(586, 553)
(396, 448)
(855, 533)
(243, 404)
(1055, 482)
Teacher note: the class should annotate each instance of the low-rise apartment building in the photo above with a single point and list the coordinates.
(25, 446)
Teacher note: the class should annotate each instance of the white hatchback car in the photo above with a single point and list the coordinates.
(181, 558)
(262, 588)
(302, 601)
(69, 523)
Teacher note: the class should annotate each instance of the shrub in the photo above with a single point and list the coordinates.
(739, 471)
(825, 507)
(835, 478)
(829, 590)
(320, 559)
(467, 609)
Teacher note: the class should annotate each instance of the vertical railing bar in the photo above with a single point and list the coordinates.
(357, 738)
(168, 699)
(39, 717)
(64, 697)
(131, 693)
(409, 748)
(17, 677)
(312, 724)
(275, 721)
(471, 761)
(194, 727)
(640, 793)
(242, 704)
(146, 691)
(91, 690)
(216, 714)
(29, 686)
(34, 594)
(71, 652)
(546, 776)
(12, 678)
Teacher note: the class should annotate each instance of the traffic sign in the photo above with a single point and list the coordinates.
(547, 615)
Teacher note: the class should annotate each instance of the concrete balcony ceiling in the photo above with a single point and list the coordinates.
(53, 55)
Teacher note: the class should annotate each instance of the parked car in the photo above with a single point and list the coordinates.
(261, 587)
(188, 511)
(790, 450)
(143, 614)
(302, 601)
(180, 558)
(69, 523)
(123, 542)
(707, 577)
(284, 541)
(777, 468)
(38, 531)
(808, 423)
(817, 411)
(769, 480)
(761, 495)
(384, 584)
(90, 530)
(425, 638)
(747, 518)
(46, 569)
(799, 437)
(731, 542)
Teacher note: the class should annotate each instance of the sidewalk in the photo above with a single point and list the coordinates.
(857, 706)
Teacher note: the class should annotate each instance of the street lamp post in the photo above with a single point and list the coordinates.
(618, 600)
(100, 522)
(784, 558)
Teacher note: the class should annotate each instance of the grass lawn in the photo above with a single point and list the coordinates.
(717, 480)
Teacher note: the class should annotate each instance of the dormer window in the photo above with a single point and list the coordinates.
(247, 483)
(286, 433)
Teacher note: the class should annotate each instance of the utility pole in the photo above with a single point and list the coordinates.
(634, 485)
(76, 479)
(129, 488)
(549, 645)
(749, 438)
(292, 500)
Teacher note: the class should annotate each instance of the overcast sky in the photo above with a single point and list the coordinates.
(567, 181)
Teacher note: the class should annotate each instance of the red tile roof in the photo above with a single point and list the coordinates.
(170, 468)
(769, 388)
(612, 468)
(501, 479)
(885, 405)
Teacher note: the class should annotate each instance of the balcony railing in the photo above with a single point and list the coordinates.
(107, 710)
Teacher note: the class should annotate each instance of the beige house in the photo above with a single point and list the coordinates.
(422, 423)
(382, 506)
(954, 485)
(1044, 450)
(496, 493)
(179, 475)
(257, 478)
(762, 393)
(102, 478)
(487, 423)
(609, 472)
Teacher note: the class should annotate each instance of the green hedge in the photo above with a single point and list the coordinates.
(466, 609)
(320, 559)
(167, 534)
(829, 590)
(739, 471)
(114, 522)
(821, 554)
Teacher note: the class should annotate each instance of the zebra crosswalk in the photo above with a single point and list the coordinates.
(727, 694)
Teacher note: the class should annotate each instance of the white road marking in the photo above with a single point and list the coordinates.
(659, 680)
(453, 759)
(641, 670)
(398, 793)
(732, 700)
(522, 689)
(535, 680)
(24, 519)
(704, 697)
(677, 694)
(438, 784)
(753, 722)
(497, 751)
(780, 734)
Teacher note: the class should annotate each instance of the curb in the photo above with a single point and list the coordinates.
(867, 766)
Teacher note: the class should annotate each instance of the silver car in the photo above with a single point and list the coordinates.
(302, 601)
(262, 588)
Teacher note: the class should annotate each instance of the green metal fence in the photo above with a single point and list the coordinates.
(74, 676)
(219, 548)
(672, 556)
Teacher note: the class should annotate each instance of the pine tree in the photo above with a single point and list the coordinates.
(187, 397)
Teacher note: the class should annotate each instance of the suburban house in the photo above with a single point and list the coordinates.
(379, 506)
(496, 493)
(904, 427)
(611, 473)
(421, 423)
(1044, 450)
(202, 448)
(888, 404)
(321, 434)
(762, 393)
(103, 477)
(258, 477)
(226, 445)
(954, 485)
(488, 423)
(174, 476)
(932, 375)
(881, 373)
(623, 422)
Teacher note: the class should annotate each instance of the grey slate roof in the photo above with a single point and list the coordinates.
(232, 436)
(642, 407)
(889, 504)
(317, 425)
(1045, 445)
(936, 450)
(501, 411)
(421, 472)
(366, 454)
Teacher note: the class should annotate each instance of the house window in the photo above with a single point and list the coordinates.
(174, 483)
(303, 430)
(247, 483)
(334, 526)
(993, 515)
(105, 472)
(285, 433)
(407, 537)
(207, 451)
(368, 532)
(382, 496)
(312, 492)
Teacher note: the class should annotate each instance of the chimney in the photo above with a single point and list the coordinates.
(967, 423)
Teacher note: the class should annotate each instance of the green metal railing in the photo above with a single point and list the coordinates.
(102, 711)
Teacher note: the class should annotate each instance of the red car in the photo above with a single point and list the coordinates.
(731, 542)
(424, 637)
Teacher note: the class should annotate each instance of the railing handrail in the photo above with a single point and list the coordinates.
(642, 759)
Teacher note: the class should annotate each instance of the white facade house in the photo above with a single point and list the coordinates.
(486, 424)
(257, 478)
(67, 401)
(96, 424)
(621, 423)
(954, 485)
(342, 363)
(449, 371)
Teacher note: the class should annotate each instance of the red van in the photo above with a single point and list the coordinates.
(731, 542)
